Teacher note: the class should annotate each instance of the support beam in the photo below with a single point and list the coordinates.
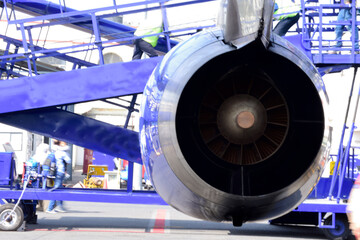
(87, 195)
(79, 130)
(82, 85)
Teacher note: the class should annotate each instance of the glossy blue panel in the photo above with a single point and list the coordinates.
(6, 159)
(79, 130)
(321, 206)
(296, 40)
(323, 187)
(61, 88)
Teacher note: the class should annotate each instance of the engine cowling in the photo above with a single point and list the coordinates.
(234, 134)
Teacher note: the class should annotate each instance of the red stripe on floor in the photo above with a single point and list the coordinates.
(81, 230)
(159, 226)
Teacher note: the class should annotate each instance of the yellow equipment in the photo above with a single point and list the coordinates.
(95, 170)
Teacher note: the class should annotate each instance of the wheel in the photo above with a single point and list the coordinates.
(341, 230)
(10, 221)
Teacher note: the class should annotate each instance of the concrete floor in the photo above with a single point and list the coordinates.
(86, 220)
(123, 221)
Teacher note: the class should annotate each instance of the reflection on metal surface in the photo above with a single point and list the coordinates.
(221, 124)
(244, 21)
(220, 127)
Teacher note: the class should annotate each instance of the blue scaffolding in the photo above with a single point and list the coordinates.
(24, 81)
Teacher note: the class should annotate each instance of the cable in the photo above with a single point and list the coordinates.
(18, 202)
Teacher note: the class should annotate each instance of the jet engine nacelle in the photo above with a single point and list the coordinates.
(233, 134)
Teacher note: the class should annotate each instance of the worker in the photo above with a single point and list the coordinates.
(147, 44)
(286, 21)
(345, 15)
(62, 159)
(39, 157)
(353, 209)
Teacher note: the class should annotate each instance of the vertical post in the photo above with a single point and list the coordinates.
(344, 164)
(346, 157)
(130, 177)
(61, 9)
(14, 58)
(353, 29)
(25, 46)
(12, 171)
(136, 171)
(353, 164)
(6, 12)
(131, 109)
(114, 1)
(3, 62)
(304, 25)
(31, 43)
(166, 25)
(341, 151)
(97, 38)
(74, 66)
(320, 32)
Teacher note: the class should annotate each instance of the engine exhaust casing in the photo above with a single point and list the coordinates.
(233, 134)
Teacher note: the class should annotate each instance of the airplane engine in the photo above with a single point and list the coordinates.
(234, 134)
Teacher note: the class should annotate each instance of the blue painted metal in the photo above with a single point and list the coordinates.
(322, 188)
(33, 59)
(7, 166)
(321, 206)
(318, 19)
(79, 130)
(98, 43)
(103, 159)
(119, 33)
(25, 46)
(86, 195)
(98, 79)
(130, 177)
(62, 88)
(77, 86)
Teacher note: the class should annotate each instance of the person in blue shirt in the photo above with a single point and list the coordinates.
(345, 15)
(62, 159)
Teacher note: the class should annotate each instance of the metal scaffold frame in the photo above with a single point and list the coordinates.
(94, 21)
(107, 34)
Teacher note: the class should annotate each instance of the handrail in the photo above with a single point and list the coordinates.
(115, 34)
(313, 32)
